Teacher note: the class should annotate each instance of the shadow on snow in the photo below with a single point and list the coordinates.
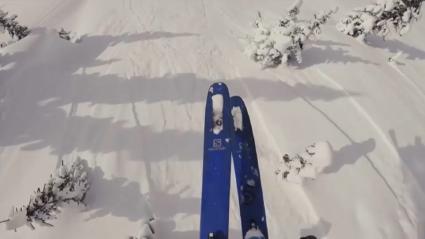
(325, 52)
(40, 85)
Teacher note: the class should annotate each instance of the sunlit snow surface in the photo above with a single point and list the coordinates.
(130, 99)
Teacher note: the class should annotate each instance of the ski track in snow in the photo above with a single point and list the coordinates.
(397, 195)
(410, 81)
(50, 11)
(271, 139)
(255, 110)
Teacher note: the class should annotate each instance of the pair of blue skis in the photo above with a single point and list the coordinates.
(228, 134)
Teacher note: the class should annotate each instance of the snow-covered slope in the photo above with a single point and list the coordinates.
(130, 99)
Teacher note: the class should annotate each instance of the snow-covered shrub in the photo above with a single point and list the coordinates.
(68, 184)
(147, 231)
(69, 36)
(307, 164)
(64, 34)
(9, 24)
(284, 41)
(381, 18)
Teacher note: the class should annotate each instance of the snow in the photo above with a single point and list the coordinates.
(254, 234)
(17, 219)
(322, 157)
(396, 57)
(250, 182)
(306, 164)
(130, 99)
(217, 105)
(146, 231)
(237, 118)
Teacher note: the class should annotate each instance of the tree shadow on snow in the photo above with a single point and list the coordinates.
(116, 196)
(394, 46)
(120, 197)
(170, 204)
(326, 52)
(167, 229)
(320, 230)
(349, 154)
(37, 95)
(413, 156)
(45, 95)
(105, 135)
(180, 88)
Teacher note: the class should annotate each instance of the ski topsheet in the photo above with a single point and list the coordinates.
(248, 181)
(216, 164)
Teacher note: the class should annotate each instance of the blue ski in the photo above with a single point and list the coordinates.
(218, 132)
(247, 172)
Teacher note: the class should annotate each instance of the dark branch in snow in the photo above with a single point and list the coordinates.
(147, 231)
(68, 184)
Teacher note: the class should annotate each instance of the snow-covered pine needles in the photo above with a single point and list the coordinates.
(68, 184)
(9, 24)
(381, 18)
(284, 42)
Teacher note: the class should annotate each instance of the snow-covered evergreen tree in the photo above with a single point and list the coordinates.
(381, 18)
(68, 184)
(9, 24)
(284, 41)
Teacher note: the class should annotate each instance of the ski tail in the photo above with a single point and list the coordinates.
(218, 132)
(247, 172)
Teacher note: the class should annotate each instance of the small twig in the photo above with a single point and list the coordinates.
(48, 224)
(5, 221)
(150, 225)
(31, 226)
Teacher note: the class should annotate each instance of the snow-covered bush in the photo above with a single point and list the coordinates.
(284, 41)
(307, 164)
(68, 184)
(9, 24)
(64, 34)
(381, 18)
(69, 36)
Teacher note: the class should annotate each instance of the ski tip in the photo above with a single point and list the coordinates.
(218, 88)
(237, 101)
